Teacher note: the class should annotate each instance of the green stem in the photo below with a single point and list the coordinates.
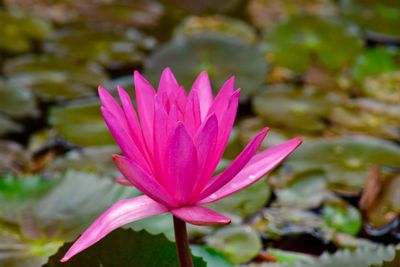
(182, 243)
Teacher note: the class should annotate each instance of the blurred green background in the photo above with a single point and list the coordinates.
(326, 70)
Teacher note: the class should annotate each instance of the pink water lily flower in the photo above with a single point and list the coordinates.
(171, 148)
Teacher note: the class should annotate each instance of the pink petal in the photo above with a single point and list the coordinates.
(221, 101)
(160, 137)
(122, 181)
(260, 165)
(192, 117)
(236, 166)
(145, 104)
(199, 215)
(121, 213)
(123, 139)
(108, 101)
(202, 86)
(205, 142)
(168, 83)
(181, 164)
(143, 181)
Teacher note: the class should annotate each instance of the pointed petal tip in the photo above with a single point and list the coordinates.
(65, 259)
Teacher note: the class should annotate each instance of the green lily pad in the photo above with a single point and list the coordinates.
(210, 256)
(376, 17)
(342, 218)
(384, 87)
(244, 203)
(283, 256)
(216, 54)
(367, 117)
(112, 49)
(81, 123)
(310, 40)
(125, 248)
(18, 31)
(295, 109)
(53, 78)
(375, 61)
(41, 214)
(13, 158)
(16, 101)
(216, 24)
(305, 190)
(344, 160)
(267, 13)
(238, 244)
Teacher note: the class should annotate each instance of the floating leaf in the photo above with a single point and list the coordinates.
(210, 256)
(18, 31)
(54, 78)
(112, 49)
(216, 24)
(305, 190)
(344, 160)
(377, 17)
(41, 214)
(395, 262)
(215, 54)
(266, 13)
(16, 101)
(7, 125)
(342, 218)
(238, 243)
(244, 203)
(201, 7)
(125, 248)
(375, 61)
(331, 43)
(385, 87)
(80, 122)
(295, 109)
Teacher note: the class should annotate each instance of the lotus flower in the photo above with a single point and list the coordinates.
(171, 148)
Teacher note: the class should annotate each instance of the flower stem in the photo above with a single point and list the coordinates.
(182, 243)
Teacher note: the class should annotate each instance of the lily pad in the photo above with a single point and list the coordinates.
(202, 7)
(210, 256)
(16, 101)
(295, 109)
(244, 203)
(112, 49)
(376, 17)
(216, 54)
(384, 86)
(216, 24)
(305, 190)
(266, 13)
(53, 78)
(7, 125)
(345, 160)
(375, 61)
(81, 123)
(367, 117)
(238, 244)
(311, 40)
(342, 218)
(18, 31)
(125, 248)
(42, 214)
